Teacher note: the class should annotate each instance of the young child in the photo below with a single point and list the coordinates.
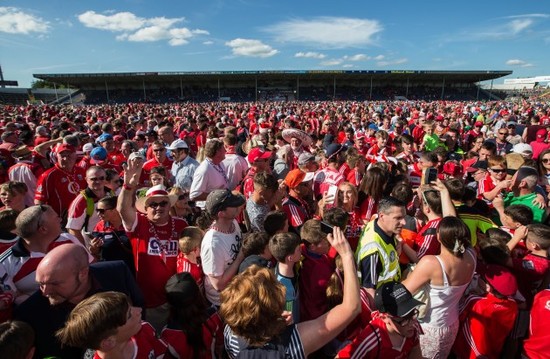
(16, 340)
(532, 269)
(255, 248)
(190, 250)
(276, 222)
(513, 217)
(430, 141)
(285, 248)
(394, 330)
(317, 267)
(107, 323)
(486, 321)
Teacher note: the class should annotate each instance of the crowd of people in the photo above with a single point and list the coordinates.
(381, 229)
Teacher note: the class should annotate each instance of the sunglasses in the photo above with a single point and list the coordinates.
(159, 150)
(182, 197)
(545, 160)
(155, 205)
(497, 170)
(406, 320)
(103, 210)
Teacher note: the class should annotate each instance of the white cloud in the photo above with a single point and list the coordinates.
(517, 62)
(517, 26)
(311, 55)
(208, 42)
(15, 21)
(379, 57)
(348, 66)
(139, 29)
(393, 62)
(358, 57)
(333, 32)
(250, 48)
(334, 62)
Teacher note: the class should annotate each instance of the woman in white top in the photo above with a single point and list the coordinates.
(446, 277)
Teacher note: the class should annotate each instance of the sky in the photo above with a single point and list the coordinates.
(59, 36)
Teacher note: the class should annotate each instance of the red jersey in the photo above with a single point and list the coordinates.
(146, 345)
(485, 323)
(185, 265)
(538, 342)
(426, 242)
(313, 280)
(324, 179)
(116, 158)
(58, 188)
(212, 336)
(374, 342)
(149, 165)
(296, 211)
(155, 255)
(487, 184)
(368, 208)
(354, 177)
(354, 228)
(344, 170)
(530, 272)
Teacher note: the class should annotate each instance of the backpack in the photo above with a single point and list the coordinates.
(275, 349)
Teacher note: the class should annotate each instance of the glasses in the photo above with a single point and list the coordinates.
(103, 210)
(155, 205)
(497, 170)
(407, 320)
(97, 179)
(158, 149)
(545, 160)
(503, 133)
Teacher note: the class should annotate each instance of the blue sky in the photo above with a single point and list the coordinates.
(55, 36)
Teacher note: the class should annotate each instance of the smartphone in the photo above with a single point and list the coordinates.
(429, 175)
(326, 228)
(332, 193)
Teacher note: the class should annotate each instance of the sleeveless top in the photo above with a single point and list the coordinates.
(443, 308)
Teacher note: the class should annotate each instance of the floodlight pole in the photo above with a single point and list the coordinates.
(107, 91)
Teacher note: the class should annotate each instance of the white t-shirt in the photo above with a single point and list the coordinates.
(207, 178)
(218, 251)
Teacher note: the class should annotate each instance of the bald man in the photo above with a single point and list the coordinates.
(65, 279)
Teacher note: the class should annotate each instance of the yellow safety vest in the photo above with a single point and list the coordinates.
(371, 242)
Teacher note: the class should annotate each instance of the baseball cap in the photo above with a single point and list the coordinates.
(98, 155)
(87, 147)
(177, 144)
(181, 288)
(104, 137)
(304, 158)
(258, 153)
(523, 149)
(500, 278)
(393, 298)
(297, 176)
(478, 165)
(220, 199)
(333, 149)
(65, 147)
(478, 124)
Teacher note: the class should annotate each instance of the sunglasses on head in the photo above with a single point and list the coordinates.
(155, 205)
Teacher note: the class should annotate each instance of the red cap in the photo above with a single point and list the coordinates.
(359, 135)
(258, 153)
(65, 147)
(478, 123)
(501, 278)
